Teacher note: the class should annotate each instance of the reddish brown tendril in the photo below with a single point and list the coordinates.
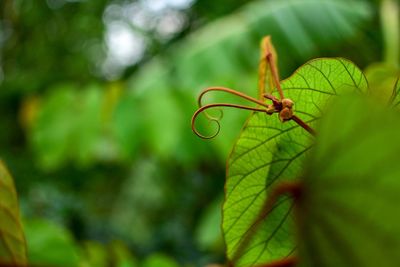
(201, 109)
(276, 107)
(229, 91)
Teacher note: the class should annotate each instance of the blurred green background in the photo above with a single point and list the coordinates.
(96, 98)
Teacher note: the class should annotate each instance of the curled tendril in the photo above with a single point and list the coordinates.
(281, 106)
(204, 108)
(226, 90)
(217, 119)
(230, 91)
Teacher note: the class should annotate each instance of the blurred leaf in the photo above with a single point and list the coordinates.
(50, 244)
(348, 212)
(269, 151)
(208, 233)
(51, 136)
(228, 47)
(164, 123)
(72, 124)
(12, 239)
(112, 96)
(95, 254)
(121, 255)
(127, 126)
(159, 260)
(28, 112)
(390, 21)
(382, 79)
(66, 41)
(115, 254)
(88, 125)
(143, 195)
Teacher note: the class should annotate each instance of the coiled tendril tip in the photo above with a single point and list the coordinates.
(267, 108)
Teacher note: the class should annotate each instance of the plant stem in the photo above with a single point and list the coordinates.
(262, 67)
(390, 20)
(275, 74)
(288, 262)
(304, 125)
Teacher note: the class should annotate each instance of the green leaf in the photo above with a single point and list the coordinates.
(349, 209)
(269, 151)
(382, 81)
(12, 239)
(95, 254)
(121, 255)
(50, 244)
(208, 235)
(70, 126)
(126, 125)
(159, 260)
(52, 129)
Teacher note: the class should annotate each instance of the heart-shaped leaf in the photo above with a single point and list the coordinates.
(12, 239)
(268, 151)
(349, 207)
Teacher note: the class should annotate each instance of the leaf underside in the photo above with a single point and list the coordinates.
(349, 215)
(269, 151)
(12, 239)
